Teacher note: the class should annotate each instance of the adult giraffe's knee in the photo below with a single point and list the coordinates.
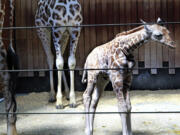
(59, 62)
(72, 62)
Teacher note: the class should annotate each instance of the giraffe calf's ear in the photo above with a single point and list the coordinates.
(143, 21)
(146, 26)
(160, 21)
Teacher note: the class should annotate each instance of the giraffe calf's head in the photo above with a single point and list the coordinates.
(159, 33)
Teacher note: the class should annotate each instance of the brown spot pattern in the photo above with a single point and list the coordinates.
(61, 8)
(77, 7)
(69, 18)
(53, 2)
(45, 17)
(51, 22)
(56, 34)
(62, 1)
(119, 84)
(76, 33)
(47, 11)
(71, 10)
(78, 18)
(56, 16)
(3, 54)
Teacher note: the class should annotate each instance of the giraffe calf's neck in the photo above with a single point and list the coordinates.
(128, 43)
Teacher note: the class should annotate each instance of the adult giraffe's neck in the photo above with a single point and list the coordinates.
(134, 40)
(2, 14)
(11, 20)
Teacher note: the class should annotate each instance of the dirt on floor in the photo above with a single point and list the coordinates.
(106, 124)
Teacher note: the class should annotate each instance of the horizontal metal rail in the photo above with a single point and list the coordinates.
(79, 113)
(84, 25)
(82, 69)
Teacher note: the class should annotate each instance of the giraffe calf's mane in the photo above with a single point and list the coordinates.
(124, 33)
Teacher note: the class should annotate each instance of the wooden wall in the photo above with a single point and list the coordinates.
(153, 55)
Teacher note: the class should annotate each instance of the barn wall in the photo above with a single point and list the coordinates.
(153, 55)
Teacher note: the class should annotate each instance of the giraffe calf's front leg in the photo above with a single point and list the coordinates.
(87, 97)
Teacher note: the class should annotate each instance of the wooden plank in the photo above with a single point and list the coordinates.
(21, 36)
(98, 21)
(159, 46)
(128, 13)
(93, 21)
(35, 43)
(39, 57)
(17, 23)
(37, 52)
(116, 17)
(153, 50)
(24, 36)
(134, 19)
(81, 45)
(165, 56)
(6, 23)
(122, 14)
(77, 54)
(17, 14)
(177, 33)
(104, 20)
(87, 40)
(147, 54)
(140, 12)
(171, 28)
(110, 17)
(29, 37)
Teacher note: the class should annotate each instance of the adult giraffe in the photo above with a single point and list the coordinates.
(8, 60)
(118, 54)
(59, 13)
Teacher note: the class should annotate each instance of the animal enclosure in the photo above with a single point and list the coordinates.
(153, 56)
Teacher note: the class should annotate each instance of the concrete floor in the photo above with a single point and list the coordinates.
(106, 124)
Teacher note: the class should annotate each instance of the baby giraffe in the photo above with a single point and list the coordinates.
(117, 54)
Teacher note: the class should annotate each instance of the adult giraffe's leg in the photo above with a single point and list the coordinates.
(45, 37)
(74, 37)
(10, 104)
(57, 37)
(99, 88)
(120, 89)
(64, 42)
(11, 20)
(65, 85)
(87, 96)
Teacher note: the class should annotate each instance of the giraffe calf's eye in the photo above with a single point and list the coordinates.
(158, 37)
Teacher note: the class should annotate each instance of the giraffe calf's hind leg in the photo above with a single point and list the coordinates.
(87, 97)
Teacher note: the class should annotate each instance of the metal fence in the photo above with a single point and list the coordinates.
(81, 69)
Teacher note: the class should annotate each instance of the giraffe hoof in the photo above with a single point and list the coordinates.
(52, 100)
(59, 107)
(72, 105)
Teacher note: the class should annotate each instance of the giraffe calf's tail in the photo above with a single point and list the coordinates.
(84, 75)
